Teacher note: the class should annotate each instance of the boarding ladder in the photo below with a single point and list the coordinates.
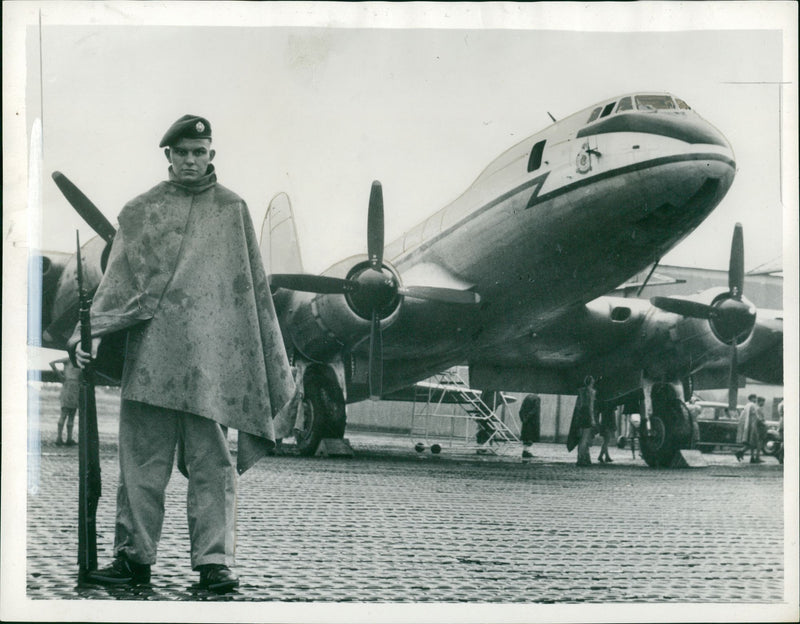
(473, 413)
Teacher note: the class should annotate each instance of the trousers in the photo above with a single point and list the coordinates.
(583, 446)
(148, 439)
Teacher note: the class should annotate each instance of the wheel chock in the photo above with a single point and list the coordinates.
(334, 447)
(689, 459)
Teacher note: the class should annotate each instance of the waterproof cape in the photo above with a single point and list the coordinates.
(185, 280)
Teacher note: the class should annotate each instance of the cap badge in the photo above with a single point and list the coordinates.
(199, 126)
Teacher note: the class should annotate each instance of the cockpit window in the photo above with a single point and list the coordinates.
(624, 105)
(682, 105)
(654, 102)
(607, 109)
(595, 114)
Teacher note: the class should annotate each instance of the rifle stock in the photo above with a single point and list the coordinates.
(88, 442)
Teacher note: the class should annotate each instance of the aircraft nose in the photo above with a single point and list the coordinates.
(700, 131)
(689, 128)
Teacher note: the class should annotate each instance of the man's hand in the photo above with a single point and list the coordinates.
(83, 358)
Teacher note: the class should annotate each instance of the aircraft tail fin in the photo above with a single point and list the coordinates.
(280, 248)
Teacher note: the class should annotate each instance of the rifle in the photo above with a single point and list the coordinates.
(88, 442)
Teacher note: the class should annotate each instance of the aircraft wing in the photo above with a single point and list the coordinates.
(620, 339)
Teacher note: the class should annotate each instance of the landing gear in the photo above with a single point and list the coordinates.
(670, 428)
(324, 414)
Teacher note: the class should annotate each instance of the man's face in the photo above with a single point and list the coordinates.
(189, 158)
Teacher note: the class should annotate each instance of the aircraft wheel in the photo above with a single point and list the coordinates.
(670, 430)
(324, 414)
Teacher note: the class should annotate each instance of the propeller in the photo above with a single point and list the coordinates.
(84, 207)
(313, 283)
(684, 307)
(375, 226)
(372, 290)
(736, 264)
(731, 318)
(733, 379)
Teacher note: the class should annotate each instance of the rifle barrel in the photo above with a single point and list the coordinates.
(89, 484)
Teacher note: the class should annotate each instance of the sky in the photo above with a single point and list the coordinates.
(321, 112)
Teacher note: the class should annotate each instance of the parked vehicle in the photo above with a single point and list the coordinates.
(718, 426)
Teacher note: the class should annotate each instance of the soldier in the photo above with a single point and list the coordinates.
(204, 352)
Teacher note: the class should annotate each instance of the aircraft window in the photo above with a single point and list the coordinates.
(682, 105)
(624, 104)
(607, 110)
(535, 160)
(654, 102)
(595, 114)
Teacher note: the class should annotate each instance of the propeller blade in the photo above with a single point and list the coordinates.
(375, 358)
(313, 283)
(733, 380)
(444, 295)
(736, 266)
(84, 207)
(684, 307)
(375, 226)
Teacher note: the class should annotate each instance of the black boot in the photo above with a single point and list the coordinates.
(122, 571)
(217, 577)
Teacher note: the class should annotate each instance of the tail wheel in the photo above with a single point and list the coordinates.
(324, 414)
(670, 431)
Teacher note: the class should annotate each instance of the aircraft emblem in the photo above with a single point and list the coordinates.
(584, 160)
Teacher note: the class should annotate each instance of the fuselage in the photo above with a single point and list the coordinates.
(554, 222)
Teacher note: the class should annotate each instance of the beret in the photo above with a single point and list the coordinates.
(188, 127)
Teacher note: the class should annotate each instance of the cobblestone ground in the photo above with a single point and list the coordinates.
(394, 525)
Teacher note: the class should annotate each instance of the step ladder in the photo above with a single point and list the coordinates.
(474, 414)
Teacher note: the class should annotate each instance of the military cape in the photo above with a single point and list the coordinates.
(746, 428)
(186, 279)
(582, 417)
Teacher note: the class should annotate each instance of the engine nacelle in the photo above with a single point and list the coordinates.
(321, 324)
(63, 314)
(708, 341)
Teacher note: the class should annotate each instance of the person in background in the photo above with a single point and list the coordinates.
(584, 423)
(761, 423)
(529, 416)
(747, 431)
(608, 425)
(70, 388)
(695, 409)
